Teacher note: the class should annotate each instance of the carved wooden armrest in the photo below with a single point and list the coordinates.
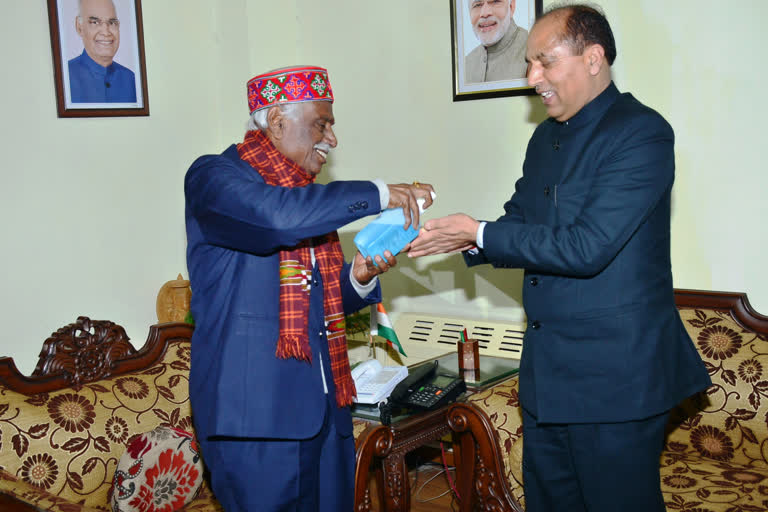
(375, 441)
(479, 465)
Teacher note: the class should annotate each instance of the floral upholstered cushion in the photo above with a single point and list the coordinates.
(160, 470)
(358, 426)
(716, 453)
(42, 500)
(716, 456)
(501, 404)
(67, 443)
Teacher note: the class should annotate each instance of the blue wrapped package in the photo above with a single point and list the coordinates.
(386, 232)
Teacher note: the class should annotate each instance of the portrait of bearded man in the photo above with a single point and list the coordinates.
(501, 52)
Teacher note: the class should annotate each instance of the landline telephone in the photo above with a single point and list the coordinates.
(375, 382)
(427, 388)
(394, 389)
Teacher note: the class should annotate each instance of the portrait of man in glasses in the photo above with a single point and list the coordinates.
(94, 76)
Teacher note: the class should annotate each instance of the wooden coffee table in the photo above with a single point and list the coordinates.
(388, 445)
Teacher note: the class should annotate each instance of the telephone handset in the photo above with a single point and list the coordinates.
(374, 382)
(416, 376)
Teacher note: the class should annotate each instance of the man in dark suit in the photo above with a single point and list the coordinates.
(605, 355)
(270, 381)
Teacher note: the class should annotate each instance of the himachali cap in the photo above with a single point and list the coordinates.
(289, 85)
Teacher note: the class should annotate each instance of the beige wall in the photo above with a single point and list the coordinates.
(92, 209)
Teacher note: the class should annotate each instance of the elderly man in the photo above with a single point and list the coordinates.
(605, 353)
(270, 381)
(501, 54)
(94, 77)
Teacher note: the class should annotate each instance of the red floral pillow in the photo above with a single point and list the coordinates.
(160, 471)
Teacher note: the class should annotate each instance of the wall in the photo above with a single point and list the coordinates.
(396, 119)
(698, 64)
(93, 208)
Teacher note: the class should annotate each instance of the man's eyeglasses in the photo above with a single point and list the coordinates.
(93, 21)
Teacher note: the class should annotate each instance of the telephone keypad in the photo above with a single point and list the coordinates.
(428, 395)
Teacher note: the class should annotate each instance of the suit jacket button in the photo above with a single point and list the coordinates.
(351, 209)
(546, 190)
(535, 324)
(534, 281)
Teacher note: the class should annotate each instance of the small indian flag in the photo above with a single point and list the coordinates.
(382, 326)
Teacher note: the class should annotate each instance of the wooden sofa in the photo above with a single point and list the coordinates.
(716, 453)
(63, 429)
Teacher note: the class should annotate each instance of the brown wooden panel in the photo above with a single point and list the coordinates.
(90, 350)
(9, 504)
(736, 303)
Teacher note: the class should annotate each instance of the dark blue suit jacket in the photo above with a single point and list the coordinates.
(236, 226)
(590, 223)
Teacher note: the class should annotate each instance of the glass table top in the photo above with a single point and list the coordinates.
(491, 369)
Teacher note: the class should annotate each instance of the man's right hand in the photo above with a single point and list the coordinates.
(453, 233)
(404, 196)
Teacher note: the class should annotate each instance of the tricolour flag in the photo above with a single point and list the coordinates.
(382, 326)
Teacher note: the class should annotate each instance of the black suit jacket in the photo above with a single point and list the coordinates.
(590, 223)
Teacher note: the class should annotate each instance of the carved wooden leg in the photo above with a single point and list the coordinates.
(463, 460)
(398, 493)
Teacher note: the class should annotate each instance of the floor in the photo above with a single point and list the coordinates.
(430, 489)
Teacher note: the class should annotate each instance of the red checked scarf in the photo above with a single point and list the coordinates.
(296, 272)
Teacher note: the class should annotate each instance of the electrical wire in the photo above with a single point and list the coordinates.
(447, 473)
(419, 490)
(444, 469)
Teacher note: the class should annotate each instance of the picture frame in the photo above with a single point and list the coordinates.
(98, 60)
(472, 78)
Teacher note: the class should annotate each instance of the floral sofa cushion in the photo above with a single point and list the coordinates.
(501, 404)
(716, 453)
(161, 470)
(67, 443)
(716, 456)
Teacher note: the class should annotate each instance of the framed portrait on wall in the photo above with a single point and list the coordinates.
(98, 58)
(488, 39)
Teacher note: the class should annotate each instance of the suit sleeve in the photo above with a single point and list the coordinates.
(237, 210)
(350, 298)
(632, 178)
